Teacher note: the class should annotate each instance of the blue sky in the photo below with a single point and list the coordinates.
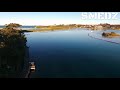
(51, 18)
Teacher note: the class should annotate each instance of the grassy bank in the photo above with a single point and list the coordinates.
(73, 26)
(51, 28)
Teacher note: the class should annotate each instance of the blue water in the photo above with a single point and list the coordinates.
(98, 34)
(73, 54)
(23, 27)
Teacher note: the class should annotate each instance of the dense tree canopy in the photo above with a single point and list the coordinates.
(12, 50)
(12, 37)
(12, 25)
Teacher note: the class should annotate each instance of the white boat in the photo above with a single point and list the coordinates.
(32, 66)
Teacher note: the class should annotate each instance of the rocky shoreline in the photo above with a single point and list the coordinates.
(110, 34)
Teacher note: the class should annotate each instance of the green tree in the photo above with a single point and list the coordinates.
(13, 25)
(12, 49)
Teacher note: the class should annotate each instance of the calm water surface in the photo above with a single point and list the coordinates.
(73, 54)
(22, 27)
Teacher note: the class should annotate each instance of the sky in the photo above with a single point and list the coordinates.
(51, 18)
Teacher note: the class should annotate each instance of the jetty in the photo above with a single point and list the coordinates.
(30, 69)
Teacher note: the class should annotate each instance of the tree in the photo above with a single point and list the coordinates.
(11, 36)
(12, 50)
(13, 25)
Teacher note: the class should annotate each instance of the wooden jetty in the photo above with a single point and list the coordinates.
(30, 69)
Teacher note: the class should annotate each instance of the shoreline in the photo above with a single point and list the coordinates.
(62, 28)
(45, 30)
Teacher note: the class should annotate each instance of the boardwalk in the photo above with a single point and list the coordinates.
(28, 73)
(30, 69)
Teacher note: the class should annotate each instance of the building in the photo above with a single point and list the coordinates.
(98, 27)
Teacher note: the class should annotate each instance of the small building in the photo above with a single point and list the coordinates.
(98, 27)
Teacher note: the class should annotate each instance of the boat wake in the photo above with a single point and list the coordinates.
(99, 37)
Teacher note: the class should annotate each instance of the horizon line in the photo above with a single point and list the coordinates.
(65, 24)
